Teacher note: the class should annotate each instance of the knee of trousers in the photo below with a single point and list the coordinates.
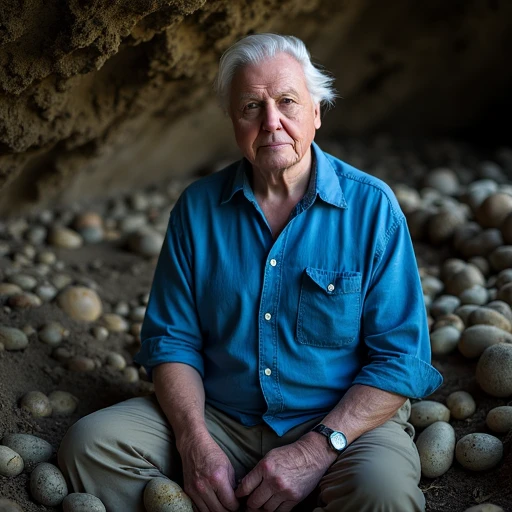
(86, 439)
(376, 488)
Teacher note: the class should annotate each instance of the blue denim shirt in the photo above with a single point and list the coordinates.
(279, 330)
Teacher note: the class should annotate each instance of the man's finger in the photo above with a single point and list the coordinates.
(227, 497)
(249, 483)
(286, 506)
(260, 496)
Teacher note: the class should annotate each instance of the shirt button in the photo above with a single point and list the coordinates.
(331, 287)
(273, 262)
(268, 316)
(268, 372)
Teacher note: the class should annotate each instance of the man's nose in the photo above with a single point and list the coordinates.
(271, 118)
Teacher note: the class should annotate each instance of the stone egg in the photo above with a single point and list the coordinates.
(494, 370)
(146, 243)
(464, 311)
(493, 210)
(116, 361)
(489, 316)
(444, 180)
(9, 506)
(67, 238)
(24, 281)
(461, 405)
(501, 307)
(436, 446)
(501, 257)
(24, 300)
(451, 320)
(482, 244)
(505, 293)
(484, 507)
(463, 234)
(53, 333)
(47, 485)
(475, 339)
(444, 340)
(164, 495)
(32, 449)
(479, 452)
(499, 419)
(451, 266)
(426, 412)
(481, 263)
(13, 339)
(99, 332)
(444, 305)
(442, 225)
(114, 323)
(131, 374)
(477, 294)
(11, 463)
(82, 502)
(37, 404)
(63, 403)
(10, 289)
(80, 364)
(80, 303)
(463, 279)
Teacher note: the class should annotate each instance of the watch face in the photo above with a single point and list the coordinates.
(338, 440)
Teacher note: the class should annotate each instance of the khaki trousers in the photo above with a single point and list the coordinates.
(114, 452)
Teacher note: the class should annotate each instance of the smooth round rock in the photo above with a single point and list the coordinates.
(65, 237)
(436, 446)
(80, 364)
(501, 307)
(475, 339)
(501, 257)
(164, 495)
(82, 502)
(451, 319)
(499, 419)
(464, 311)
(146, 243)
(426, 412)
(477, 294)
(442, 225)
(116, 361)
(37, 403)
(99, 332)
(53, 333)
(479, 452)
(461, 405)
(493, 210)
(131, 374)
(8, 289)
(47, 485)
(63, 403)
(137, 314)
(463, 279)
(114, 323)
(9, 506)
(489, 316)
(46, 292)
(484, 507)
(482, 244)
(80, 303)
(444, 305)
(24, 300)
(32, 449)
(494, 370)
(444, 340)
(24, 281)
(11, 463)
(12, 338)
(444, 180)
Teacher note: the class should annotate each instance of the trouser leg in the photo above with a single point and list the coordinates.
(114, 452)
(379, 472)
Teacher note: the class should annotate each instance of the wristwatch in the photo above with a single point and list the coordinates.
(337, 439)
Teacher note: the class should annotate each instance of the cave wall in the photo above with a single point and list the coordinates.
(100, 96)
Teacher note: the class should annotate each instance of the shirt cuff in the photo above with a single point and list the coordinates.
(404, 375)
(155, 351)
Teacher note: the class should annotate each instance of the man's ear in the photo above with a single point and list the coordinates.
(318, 116)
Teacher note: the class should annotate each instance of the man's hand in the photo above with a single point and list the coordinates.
(208, 475)
(285, 476)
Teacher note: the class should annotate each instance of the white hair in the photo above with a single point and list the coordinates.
(255, 48)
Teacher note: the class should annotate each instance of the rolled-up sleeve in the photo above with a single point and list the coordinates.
(395, 326)
(170, 331)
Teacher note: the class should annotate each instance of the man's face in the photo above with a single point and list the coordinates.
(273, 115)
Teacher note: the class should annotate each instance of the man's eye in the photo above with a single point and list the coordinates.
(251, 106)
(287, 101)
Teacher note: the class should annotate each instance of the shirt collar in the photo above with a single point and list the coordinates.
(324, 181)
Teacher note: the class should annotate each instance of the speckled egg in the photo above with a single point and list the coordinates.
(47, 485)
(82, 502)
(164, 495)
(11, 463)
(32, 449)
(479, 452)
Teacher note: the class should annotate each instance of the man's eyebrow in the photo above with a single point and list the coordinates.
(255, 95)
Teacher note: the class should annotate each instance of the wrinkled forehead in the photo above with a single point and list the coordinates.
(272, 75)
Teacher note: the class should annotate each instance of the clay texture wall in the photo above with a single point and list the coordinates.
(102, 95)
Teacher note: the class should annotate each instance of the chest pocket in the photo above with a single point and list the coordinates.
(329, 308)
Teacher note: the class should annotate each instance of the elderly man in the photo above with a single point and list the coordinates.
(285, 328)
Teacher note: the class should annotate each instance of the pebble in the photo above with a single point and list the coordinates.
(12, 338)
(8, 289)
(444, 305)
(37, 404)
(24, 301)
(122, 308)
(63, 403)
(461, 405)
(36, 235)
(99, 332)
(25, 282)
(164, 495)
(114, 323)
(444, 340)
(60, 281)
(80, 303)
(46, 257)
(53, 333)
(137, 314)
(46, 292)
(426, 412)
(82, 502)
(47, 485)
(11, 463)
(479, 452)
(131, 374)
(436, 446)
(9, 506)
(81, 364)
(146, 243)
(499, 419)
(32, 449)
(116, 361)
(494, 370)
(63, 237)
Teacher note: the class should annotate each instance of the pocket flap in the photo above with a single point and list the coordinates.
(334, 283)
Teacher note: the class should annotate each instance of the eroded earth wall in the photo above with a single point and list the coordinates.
(102, 95)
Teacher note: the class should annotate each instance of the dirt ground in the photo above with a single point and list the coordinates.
(123, 276)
